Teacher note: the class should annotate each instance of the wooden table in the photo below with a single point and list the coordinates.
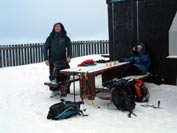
(87, 75)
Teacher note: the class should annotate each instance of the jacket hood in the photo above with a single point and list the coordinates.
(140, 44)
(63, 31)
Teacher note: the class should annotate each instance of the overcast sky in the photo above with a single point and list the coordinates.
(31, 21)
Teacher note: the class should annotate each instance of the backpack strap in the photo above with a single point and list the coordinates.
(138, 84)
(81, 112)
(152, 106)
(130, 113)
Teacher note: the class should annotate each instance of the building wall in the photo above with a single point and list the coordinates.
(147, 21)
(173, 38)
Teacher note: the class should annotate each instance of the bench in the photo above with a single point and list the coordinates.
(141, 77)
(62, 85)
(102, 92)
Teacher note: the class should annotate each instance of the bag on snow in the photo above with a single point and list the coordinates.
(64, 110)
(121, 94)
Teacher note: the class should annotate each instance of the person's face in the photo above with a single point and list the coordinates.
(58, 28)
(139, 48)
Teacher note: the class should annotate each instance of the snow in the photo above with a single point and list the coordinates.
(25, 101)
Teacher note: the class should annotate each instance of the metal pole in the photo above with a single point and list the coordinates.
(113, 32)
(74, 88)
(137, 16)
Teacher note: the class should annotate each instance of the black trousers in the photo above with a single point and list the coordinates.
(54, 71)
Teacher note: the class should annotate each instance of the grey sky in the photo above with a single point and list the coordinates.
(30, 21)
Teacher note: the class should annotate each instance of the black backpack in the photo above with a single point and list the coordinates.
(64, 110)
(121, 94)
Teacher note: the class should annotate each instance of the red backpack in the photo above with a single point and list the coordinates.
(141, 92)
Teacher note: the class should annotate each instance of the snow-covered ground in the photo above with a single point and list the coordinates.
(25, 101)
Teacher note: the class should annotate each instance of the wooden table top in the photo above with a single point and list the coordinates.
(95, 69)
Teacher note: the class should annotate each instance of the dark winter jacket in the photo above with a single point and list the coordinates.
(141, 60)
(59, 48)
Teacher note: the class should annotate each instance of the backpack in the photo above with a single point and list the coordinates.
(64, 110)
(121, 94)
(141, 92)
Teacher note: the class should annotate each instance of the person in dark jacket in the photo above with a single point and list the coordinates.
(139, 59)
(57, 53)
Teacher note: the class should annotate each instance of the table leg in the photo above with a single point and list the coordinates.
(87, 86)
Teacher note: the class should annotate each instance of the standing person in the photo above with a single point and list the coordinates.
(57, 54)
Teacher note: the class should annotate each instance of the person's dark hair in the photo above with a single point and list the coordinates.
(63, 31)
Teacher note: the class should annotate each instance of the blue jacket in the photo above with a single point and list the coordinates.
(141, 60)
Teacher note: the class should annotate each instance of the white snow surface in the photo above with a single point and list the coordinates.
(25, 102)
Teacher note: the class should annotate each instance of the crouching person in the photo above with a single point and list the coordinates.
(57, 54)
